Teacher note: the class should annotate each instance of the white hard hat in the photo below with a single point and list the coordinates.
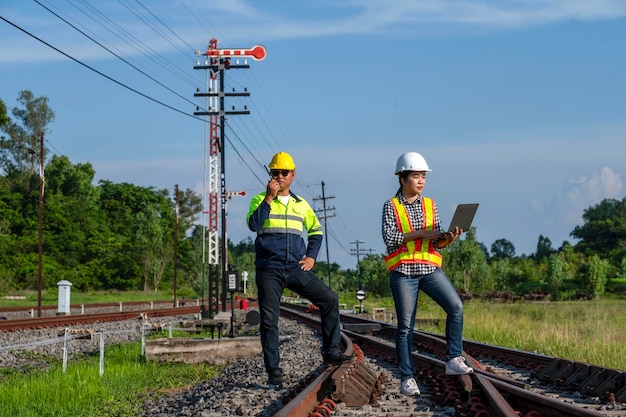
(411, 161)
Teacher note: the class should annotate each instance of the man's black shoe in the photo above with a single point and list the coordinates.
(336, 358)
(276, 379)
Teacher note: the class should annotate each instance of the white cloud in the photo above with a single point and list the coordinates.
(586, 191)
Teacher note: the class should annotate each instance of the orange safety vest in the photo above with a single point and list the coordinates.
(420, 251)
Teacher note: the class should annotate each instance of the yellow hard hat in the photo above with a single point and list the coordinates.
(282, 160)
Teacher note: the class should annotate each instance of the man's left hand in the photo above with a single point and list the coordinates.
(306, 263)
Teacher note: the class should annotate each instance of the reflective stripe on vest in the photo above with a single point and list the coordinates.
(419, 251)
(289, 219)
(282, 223)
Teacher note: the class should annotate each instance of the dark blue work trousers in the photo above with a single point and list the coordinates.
(270, 283)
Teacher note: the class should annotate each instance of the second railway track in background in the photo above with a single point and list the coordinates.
(89, 313)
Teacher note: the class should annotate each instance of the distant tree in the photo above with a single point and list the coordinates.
(155, 252)
(544, 248)
(245, 245)
(375, 276)
(604, 230)
(483, 248)
(121, 205)
(4, 117)
(466, 264)
(192, 260)
(501, 271)
(594, 276)
(502, 248)
(518, 274)
(321, 268)
(189, 207)
(74, 232)
(556, 274)
(23, 132)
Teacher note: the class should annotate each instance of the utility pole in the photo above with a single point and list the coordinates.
(326, 216)
(358, 252)
(41, 189)
(217, 61)
(175, 239)
(42, 182)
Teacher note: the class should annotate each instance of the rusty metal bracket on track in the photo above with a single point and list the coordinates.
(357, 384)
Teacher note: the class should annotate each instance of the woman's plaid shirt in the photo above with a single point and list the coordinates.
(393, 236)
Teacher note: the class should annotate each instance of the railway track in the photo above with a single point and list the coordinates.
(114, 312)
(129, 305)
(541, 386)
(70, 320)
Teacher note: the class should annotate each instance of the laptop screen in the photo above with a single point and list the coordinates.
(463, 216)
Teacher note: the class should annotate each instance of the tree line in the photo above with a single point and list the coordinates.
(120, 236)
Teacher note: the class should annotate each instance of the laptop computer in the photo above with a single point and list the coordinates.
(463, 216)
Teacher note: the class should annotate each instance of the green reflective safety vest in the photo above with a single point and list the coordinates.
(420, 251)
(291, 218)
(280, 231)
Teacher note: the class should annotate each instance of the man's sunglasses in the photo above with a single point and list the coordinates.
(277, 172)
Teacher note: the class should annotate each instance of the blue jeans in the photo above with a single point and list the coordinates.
(405, 291)
(270, 283)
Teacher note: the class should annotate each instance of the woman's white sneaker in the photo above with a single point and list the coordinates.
(457, 366)
(409, 387)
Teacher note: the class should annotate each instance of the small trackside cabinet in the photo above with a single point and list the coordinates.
(64, 297)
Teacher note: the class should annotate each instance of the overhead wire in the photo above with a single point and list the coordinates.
(98, 72)
(157, 30)
(117, 56)
(248, 137)
(125, 36)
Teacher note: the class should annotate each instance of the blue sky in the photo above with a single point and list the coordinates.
(517, 105)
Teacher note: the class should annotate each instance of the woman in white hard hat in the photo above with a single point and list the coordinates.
(412, 233)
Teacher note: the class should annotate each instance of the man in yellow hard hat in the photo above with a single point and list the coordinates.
(284, 260)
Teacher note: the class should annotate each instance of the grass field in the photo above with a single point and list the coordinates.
(585, 331)
(81, 391)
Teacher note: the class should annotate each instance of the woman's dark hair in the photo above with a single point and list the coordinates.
(402, 175)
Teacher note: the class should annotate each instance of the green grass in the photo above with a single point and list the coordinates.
(81, 391)
(587, 331)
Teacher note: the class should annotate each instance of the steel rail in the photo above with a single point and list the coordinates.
(96, 305)
(69, 320)
(528, 401)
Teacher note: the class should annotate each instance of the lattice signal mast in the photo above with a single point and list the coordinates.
(217, 61)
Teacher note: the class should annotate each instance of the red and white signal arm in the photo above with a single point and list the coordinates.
(257, 52)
